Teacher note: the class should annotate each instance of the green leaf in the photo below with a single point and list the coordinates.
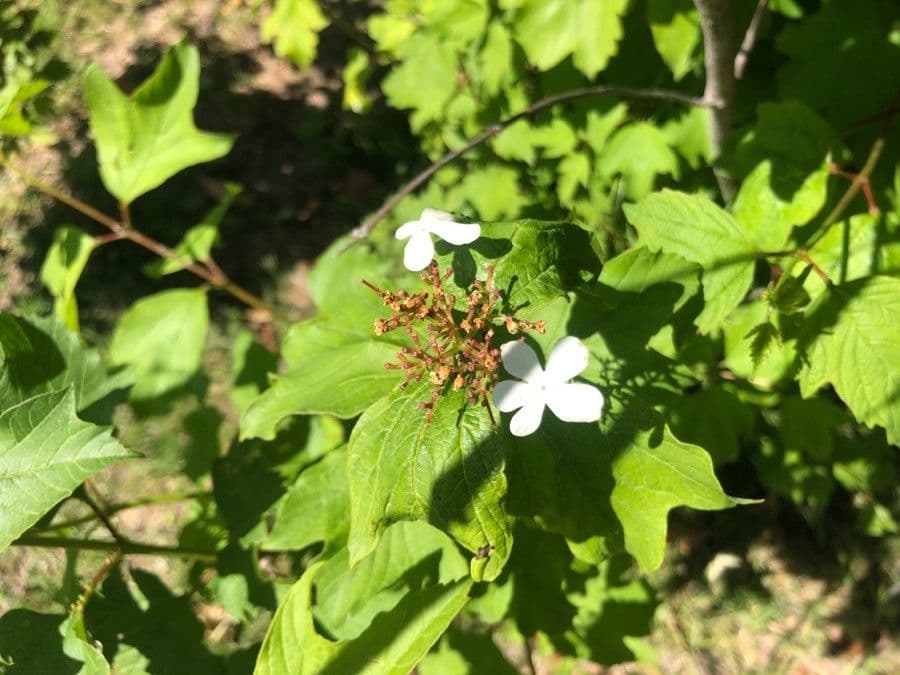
(45, 453)
(460, 653)
(851, 343)
(495, 59)
(785, 161)
(197, 241)
(493, 192)
(77, 644)
(355, 77)
(62, 268)
(557, 138)
(146, 334)
(754, 349)
(675, 26)
(146, 138)
(614, 615)
(43, 356)
(857, 247)
(515, 142)
(689, 135)
(30, 643)
(144, 627)
(410, 555)
(715, 419)
(334, 369)
(393, 644)
(842, 47)
(448, 471)
(322, 490)
(617, 481)
(294, 27)
(574, 170)
(425, 81)
(638, 153)
(588, 30)
(696, 229)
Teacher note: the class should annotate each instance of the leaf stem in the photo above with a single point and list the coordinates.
(801, 254)
(126, 548)
(488, 133)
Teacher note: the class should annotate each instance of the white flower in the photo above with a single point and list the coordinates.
(419, 249)
(569, 401)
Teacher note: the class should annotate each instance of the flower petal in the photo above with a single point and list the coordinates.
(456, 233)
(520, 360)
(510, 395)
(430, 215)
(418, 252)
(409, 229)
(568, 358)
(575, 402)
(528, 419)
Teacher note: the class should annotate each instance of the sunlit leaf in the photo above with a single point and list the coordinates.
(147, 137)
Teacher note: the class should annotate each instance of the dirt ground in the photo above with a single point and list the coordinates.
(310, 172)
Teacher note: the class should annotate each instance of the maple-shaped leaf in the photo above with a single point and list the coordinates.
(146, 138)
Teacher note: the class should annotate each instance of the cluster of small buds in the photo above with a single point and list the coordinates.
(454, 349)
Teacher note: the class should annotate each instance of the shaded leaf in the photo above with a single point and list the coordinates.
(676, 32)
(447, 471)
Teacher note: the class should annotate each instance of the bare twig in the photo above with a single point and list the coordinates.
(740, 61)
(717, 24)
(129, 548)
(369, 223)
(123, 230)
(113, 559)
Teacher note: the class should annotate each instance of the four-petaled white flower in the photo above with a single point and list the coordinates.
(419, 249)
(569, 401)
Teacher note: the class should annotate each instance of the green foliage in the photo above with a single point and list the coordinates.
(33, 480)
(147, 137)
(146, 334)
(62, 267)
(293, 26)
(383, 515)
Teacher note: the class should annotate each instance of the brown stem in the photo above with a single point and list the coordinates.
(369, 223)
(740, 61)
(717, 24)
(99, 511)
(124, 230)
(855, 186)
(127, 548)
(113, 559)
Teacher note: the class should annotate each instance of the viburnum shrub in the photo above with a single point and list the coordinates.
(685, 280)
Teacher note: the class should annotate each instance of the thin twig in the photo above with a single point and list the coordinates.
(124, 230)
(717, 24)
(740, 61)
(93, 503)
(855, 186)
(155, 500)
(369, 224)
(113, 559)
(837, 211)
(128, 548)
